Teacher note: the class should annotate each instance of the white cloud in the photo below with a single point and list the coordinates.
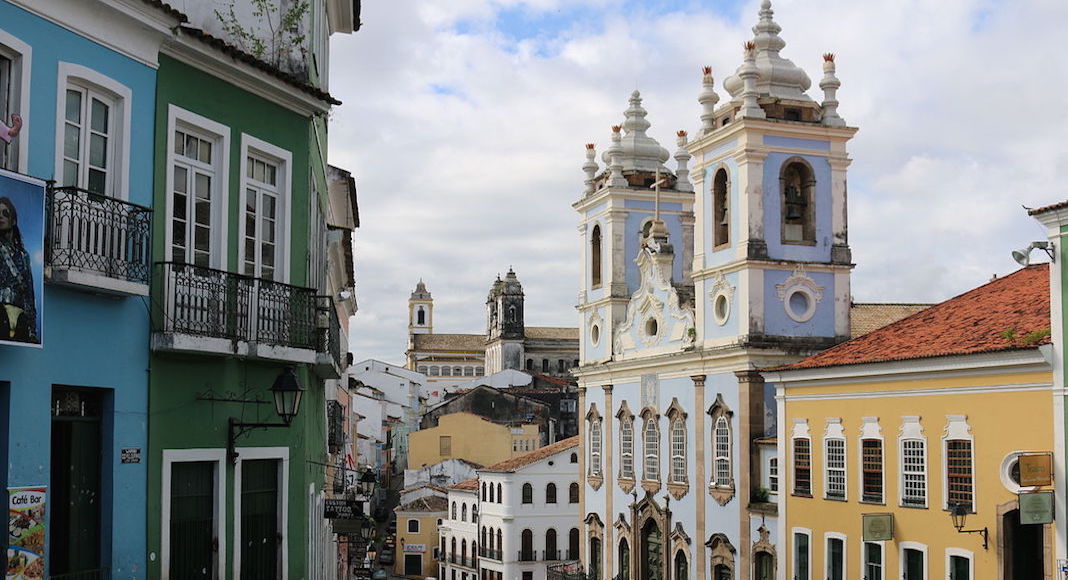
(467, 149)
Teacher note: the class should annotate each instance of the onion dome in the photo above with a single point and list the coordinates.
(778, 77)
(637, 151)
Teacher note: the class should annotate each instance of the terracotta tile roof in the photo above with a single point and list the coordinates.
(430, 503)
(1038, 210)
(468, 484)
(866, 317)
(997, 316)
(170, 10)
(553, 380)
(551, 332)
(520, 461)
(238, 54)
(464, 342)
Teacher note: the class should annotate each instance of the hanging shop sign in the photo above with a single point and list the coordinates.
(342, 509)
(1036, 469)
(1036, 507)
(22, 233)
(878, 527)
(26, 532)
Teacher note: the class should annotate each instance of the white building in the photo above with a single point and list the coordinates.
(528, 513)
(405, 397)
(458, 535)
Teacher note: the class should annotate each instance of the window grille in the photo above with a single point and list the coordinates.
(836, 473)
(872, 452)
(913, 472)
(959, 482)
(678, 451)
(723, 453)
(802, 467)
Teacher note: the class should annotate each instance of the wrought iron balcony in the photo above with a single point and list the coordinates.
(527, 556)
(208, 310)
(328, 363)
(97, 242)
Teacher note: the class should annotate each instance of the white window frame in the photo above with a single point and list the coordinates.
(250, 453)
(170, 457)
(864, 559)
(912, 430)
(961, 553)
(595, 446)
(181, 119)
(21, 56)
(408, 526)
(912, 546)
(773, 476)
(717, 458)
(800, 431)
(835, 432)
(827, 537)
(626, 451)
(70, 74)
(650, 461)
(793, 551)
(679, 466)
(957, 428)
(284, 158)
(870, 429)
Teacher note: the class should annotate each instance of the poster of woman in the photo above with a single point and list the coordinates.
(22, 226)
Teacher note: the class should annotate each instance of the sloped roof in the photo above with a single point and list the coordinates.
(475, 342)
(430, 503)
(1038, 210)
(521, 461)
(170, 10)
(551, 332)
(1009, 313)
(866, 317)
(468, 484)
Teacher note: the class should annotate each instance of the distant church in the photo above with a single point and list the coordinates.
(507, 343)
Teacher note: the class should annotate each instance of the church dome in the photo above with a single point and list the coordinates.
(420, 293)
(637, 151)
(779, 77)
(511, 285)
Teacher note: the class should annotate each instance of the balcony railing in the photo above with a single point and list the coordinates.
(98, 241)
(328, 338)
(527, 556)
(205, 302)
(490, 554)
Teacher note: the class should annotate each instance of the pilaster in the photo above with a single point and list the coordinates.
(750, 427)
(582, 468)
(607, 439)
(700, 436)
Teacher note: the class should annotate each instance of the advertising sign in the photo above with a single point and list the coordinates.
(22, 229)
(878, 527)
(342, 509)
(1036, 507)
(26, 533)
(1036, 469)
(414, 548)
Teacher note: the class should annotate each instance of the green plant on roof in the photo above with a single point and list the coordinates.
(275, 36)
(1012, 334)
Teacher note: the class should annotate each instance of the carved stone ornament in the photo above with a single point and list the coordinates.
(802, 285)
(672, 322)
(678, 490)
(799, 279)
(627, 485)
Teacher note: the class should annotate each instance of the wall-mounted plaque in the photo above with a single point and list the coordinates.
(878, 527)
(1036, 469)
(1036, 507)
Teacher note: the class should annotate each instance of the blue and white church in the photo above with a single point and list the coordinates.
(734, 259)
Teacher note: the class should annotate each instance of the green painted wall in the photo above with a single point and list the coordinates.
(179, 418)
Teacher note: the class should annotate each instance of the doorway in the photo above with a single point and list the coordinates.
(652, 552)
(1022, 548)
(76, 488)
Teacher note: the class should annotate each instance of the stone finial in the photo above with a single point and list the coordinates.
(830, 84)
(749, 73)
(615, 165)
(590, 167)
(708, 99)
(778, 77)
(682, 160)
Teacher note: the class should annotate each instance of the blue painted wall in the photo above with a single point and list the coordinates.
(720, 257)
(821, 252)
(778, 323)
(89, 340)
(733, 326)
(637, 212)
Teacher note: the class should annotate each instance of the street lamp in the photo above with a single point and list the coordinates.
(959, 513)
(287, 393)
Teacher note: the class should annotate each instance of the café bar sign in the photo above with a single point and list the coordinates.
(878, 527)
(1036, 469)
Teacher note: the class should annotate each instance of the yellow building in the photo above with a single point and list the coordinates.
(472, 438)
(417, 536)
(881, 436)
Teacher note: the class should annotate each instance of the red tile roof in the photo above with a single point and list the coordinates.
(428, 504)
(520, 461)
(469, 484)
(1038, 210)
(1008, 313)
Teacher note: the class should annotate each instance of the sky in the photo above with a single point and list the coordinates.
(464, 124)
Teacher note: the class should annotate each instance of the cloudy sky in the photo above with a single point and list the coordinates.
(464, 123)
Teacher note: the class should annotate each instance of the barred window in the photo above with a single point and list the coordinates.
(872, 470)
(722, 437)
(626, 449)
(802, 467)
(652, 450)
(595, 447)
(678, 451)
(836, 472)
(959, 482)
(914, 472)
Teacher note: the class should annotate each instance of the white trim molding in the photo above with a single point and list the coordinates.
(960, 553)
(252, 146)
(912, 430)
(957, 429)
(827, 537)
(21, 55)
(170, 457)
(793, 551)
(922, 548)
(253, 453)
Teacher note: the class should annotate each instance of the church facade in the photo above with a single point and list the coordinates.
(734, 260)
(452, 359)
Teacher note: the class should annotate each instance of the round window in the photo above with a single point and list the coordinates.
(800, 304)
(1010, 472)
(651, 327)
(595, 334)
(721, 308)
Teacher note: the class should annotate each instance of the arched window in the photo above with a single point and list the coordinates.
(624, 559)
(595, 559)
(798, 203)
(595, 447)
(446, 371)
(463, 512)
(722, 557)
(652, 550)
(483, 536)
(626, 443)
(500, 544)
(454, 510)
(492, 542)
(544, 365)
(574, 458)
(483, 491)
(491, 500)
(526, 542)
(420, 316)
(682, 567)
(528, 493)
(765, 566)
(511, 314)
(500, 494)
(651, 438)
(573, 493)
(573, 544)
(550, 545)
(721, 225)
(677, 417)
(550, 493)
(595, 257)
(530, 364)
(474, 513)
(453, 552)
(721, 486)
(723, 453)
(463, 549)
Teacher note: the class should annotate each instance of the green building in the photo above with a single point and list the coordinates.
(239, 298)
